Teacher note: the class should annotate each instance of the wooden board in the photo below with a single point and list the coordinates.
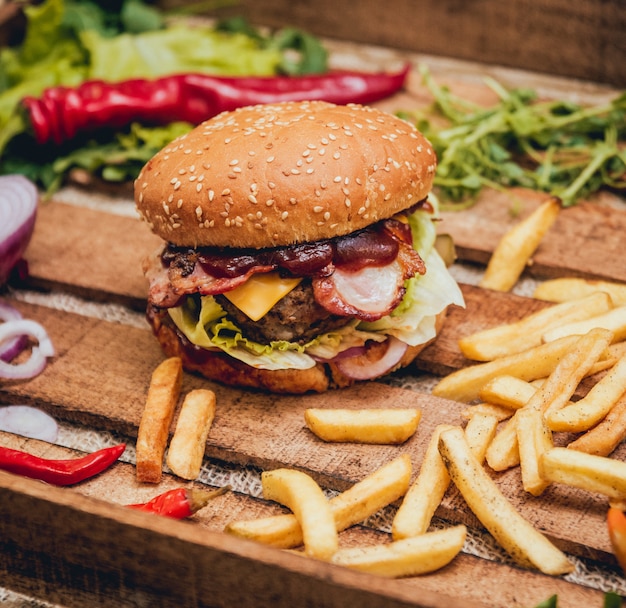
(207, 568)
(576, 245)
(100, 376)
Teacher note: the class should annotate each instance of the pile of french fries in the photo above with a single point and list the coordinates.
(525, 389)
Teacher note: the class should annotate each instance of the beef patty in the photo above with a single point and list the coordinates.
(297, 317)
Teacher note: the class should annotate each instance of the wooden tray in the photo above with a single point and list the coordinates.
(78, 546)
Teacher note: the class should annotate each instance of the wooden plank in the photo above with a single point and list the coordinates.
(100, 379)
(575, 246)
(99, 254)
(577, 39)
(82, 511)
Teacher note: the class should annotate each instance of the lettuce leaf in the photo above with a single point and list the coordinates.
(204, 322)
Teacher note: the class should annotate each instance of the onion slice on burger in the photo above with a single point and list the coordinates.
(18, 209)
(376, 361)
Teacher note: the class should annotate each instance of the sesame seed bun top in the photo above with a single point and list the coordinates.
(273, 175)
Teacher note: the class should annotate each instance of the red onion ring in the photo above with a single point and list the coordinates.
(18, 209)
(39, 354)
(29, 422)
(11, 348)
(362, 368)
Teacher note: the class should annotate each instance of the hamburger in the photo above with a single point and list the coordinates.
(298, 246)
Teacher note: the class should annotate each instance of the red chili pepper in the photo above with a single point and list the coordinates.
(61, 112)
(616, 522)
(180, 502)
(59, 472)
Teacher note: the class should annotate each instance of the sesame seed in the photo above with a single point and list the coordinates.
(233, 162)
(270, 159)
(284, 215)
(211, 195)
(199, 211)
(327, 215)
(336, 155)
(179, 203)
(337, 179)
(198, 187)
(318, 209)
(226, 192)
(295, 172)
(177, 185)
(269, 202)
(347, 202)
(252, 199)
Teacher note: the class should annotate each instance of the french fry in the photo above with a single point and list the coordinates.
(614, 320)
(408, 557)
(516, 247)
(300, 493)
(507, 391)
(186, 450)
(595, 405)
(533, 439)
(488, 409)
(588, 472)
(425, 493)
(511, 338)
(554, 393)
(563, 289)
(163, 394)
(376, 425)
(603, 438)
(515, 534)
(479, 432)
(560, 385)
(366, 497)
(503, 451)
(465, 384)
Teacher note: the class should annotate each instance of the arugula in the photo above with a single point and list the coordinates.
(558, 147)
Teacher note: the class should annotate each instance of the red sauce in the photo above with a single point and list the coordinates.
(376, 245)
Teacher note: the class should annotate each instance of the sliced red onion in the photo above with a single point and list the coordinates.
(18, 210)
(37, 361)
(363, 368)
(28, 421)
(10, 348)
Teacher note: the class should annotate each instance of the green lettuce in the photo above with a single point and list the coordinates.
(204, 322)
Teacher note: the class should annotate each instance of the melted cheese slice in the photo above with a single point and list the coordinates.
(259, 293)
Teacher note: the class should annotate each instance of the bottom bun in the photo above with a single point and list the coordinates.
(218, 366)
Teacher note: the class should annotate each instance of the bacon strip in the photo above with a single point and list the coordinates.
(371, 292)
(362, 285)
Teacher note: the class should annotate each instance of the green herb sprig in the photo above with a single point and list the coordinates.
(559, 147)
